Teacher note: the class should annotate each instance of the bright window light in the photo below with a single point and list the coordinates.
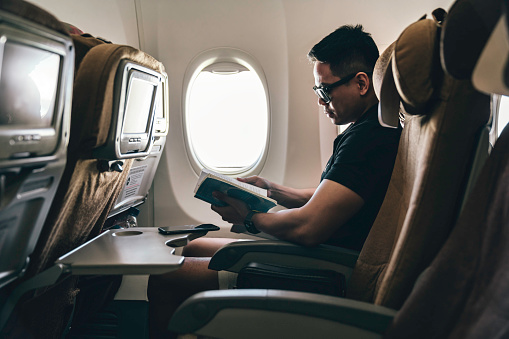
(227, 119)
(503, 114)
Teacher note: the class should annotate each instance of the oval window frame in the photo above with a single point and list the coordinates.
(223, 56)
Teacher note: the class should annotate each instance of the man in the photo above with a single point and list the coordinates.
(342, 209)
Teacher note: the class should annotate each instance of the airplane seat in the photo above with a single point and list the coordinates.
(462, 294)
(111, 124)
(444, 119)
(36, 72)
(445, 128)
(98, 292)
(470, 274)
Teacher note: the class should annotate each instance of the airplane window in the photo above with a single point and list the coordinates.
(227, 118)
(503, 114)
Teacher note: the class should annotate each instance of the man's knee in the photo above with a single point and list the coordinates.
(204, 247)
(193, 276)
(195, 248)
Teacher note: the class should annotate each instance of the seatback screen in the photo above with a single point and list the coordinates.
(139, 104)
(28, 86)
(159, 105)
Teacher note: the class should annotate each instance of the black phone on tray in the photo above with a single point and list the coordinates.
(187, 229)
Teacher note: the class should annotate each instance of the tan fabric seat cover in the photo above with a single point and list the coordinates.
(85, 195)
(464, 292)
(434, 156)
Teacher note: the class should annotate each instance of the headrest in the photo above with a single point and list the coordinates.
(416, 64)
(71, 29)
(491, 73)
(385, 89)
(465, 33)
(83, 44)
(33, 13)
(409, 71)
(93, 91)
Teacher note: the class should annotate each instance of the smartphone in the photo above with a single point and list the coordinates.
(187, 229)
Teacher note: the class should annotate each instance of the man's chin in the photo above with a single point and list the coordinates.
(333, 118)
(336, 121)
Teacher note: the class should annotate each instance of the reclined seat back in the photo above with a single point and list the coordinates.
(36, 60)
(443, 120)
(114, 85)
(463, 294)
(469, 275)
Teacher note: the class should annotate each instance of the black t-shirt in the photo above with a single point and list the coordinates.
(362, 160)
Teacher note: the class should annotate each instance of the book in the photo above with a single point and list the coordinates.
(255, 197)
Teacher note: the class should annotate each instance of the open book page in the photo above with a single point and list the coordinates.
(204, 173)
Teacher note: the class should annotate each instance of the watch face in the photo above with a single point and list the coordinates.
(251, 228)
(248, 223)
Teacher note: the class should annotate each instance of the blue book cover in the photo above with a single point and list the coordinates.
(255, 197)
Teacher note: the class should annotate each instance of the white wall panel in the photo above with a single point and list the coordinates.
(114, 20)
(175, 32)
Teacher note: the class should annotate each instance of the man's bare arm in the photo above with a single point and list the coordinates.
(285, 196)
(329, 208)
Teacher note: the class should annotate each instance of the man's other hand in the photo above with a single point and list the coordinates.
(234, 213)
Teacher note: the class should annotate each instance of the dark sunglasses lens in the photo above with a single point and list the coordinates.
(322, 94)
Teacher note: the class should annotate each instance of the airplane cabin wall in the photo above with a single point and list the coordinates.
(114, 20)
(176, 32)
(278, 34)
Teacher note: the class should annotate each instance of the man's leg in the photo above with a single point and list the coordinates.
(167, 291)
(205, 247)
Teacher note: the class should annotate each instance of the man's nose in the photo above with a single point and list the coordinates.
(321, 102)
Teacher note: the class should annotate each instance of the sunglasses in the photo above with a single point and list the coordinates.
(323, 92)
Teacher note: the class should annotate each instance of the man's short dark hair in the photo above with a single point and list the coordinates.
(347, 50)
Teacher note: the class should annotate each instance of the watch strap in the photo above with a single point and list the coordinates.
(248, 223)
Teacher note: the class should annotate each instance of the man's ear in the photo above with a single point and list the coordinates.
(363, 82)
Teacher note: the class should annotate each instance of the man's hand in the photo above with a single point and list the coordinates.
(234, 213)
(259, 182)
(285, 196)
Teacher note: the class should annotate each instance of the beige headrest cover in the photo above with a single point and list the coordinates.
(385, 89)
(407, 72)
(416, 64)
(82, 45)
(465, 33)
(491, 71)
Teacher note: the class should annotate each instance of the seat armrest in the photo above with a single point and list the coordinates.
(276, 314)
(241, 229)
(233, 256)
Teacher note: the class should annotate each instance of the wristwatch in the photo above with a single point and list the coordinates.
(248, 223)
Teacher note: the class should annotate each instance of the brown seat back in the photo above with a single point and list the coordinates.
(87, 192)
(463, 294)
(443, 119)
(34, 127)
